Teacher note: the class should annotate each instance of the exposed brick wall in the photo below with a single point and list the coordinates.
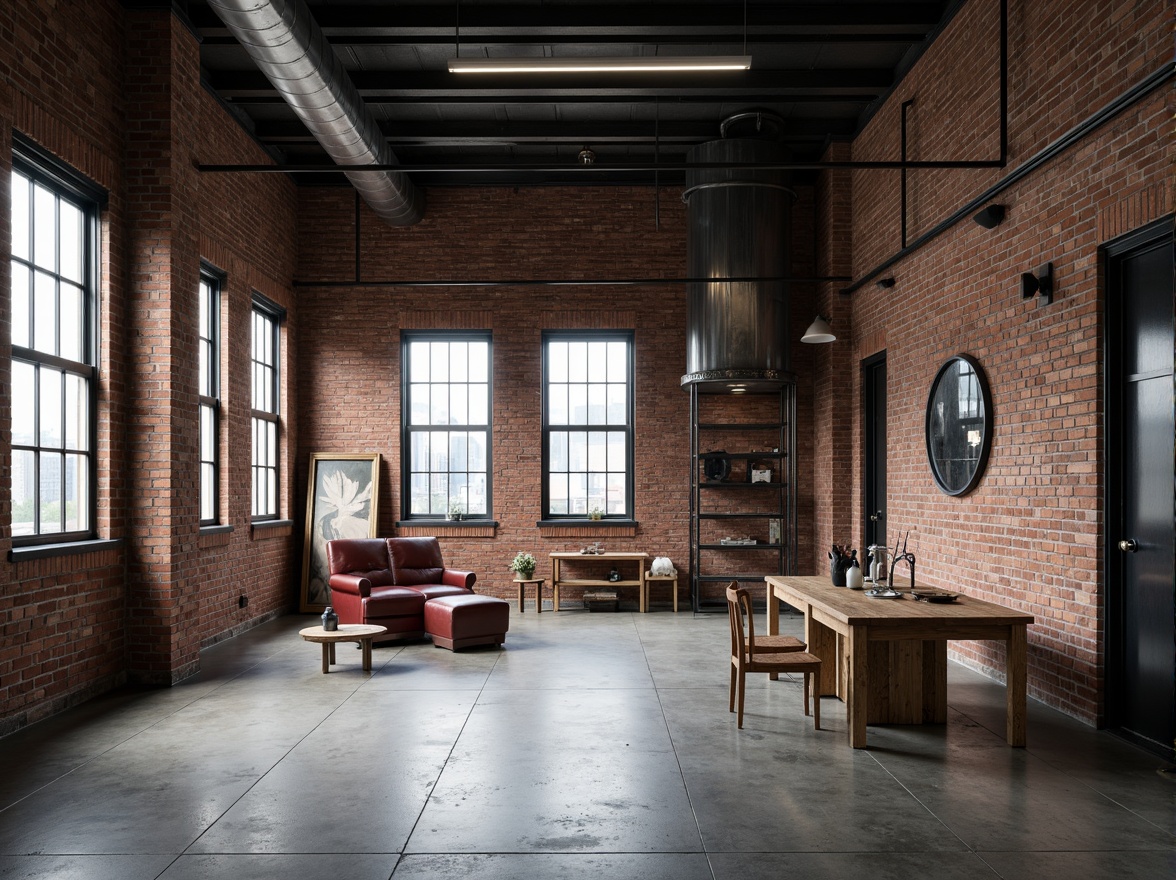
(349, 371)
(136, 122)
(1030, 535)
(63, 619)
(835, 412)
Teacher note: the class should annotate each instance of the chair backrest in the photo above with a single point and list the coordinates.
(362, 557)
(738, 607)
(416, 561)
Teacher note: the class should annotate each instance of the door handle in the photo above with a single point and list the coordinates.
(874, 517)
(1129, 545)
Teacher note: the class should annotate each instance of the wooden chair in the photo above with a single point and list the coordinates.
(745, 659)
(766, 644)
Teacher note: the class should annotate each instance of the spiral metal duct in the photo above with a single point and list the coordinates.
(288, 46)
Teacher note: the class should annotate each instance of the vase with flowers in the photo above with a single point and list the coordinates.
(523, 565)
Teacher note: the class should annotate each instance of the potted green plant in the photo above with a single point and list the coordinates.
(596, 513)
(456, 511)
(523, 565)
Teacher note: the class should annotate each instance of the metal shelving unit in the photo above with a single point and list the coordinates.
(736, 501)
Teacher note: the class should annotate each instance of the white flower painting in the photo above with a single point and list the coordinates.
(341, 503)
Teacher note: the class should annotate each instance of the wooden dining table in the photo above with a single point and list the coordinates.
(887, 658)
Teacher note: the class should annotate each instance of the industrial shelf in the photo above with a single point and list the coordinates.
(753, 505)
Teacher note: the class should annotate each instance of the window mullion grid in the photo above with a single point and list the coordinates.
(426, 345)
(209, 395)
(83, 323)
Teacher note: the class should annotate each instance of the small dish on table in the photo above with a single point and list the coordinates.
(937, 596)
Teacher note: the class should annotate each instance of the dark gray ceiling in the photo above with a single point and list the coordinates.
(821, 67)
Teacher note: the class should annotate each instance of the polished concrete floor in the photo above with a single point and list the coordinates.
(594, 745)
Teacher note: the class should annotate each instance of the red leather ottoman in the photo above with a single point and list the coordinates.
(457, 622)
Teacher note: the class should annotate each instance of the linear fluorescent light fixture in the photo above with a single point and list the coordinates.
(596, 65)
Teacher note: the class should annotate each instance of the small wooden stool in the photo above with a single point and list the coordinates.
(671, 579)
(538, 582)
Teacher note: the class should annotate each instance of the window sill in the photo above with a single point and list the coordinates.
(271, 528)
(70, 548)
(587, 528)
(218, 535)
(462, 528)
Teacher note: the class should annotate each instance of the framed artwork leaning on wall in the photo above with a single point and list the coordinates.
(341, 500)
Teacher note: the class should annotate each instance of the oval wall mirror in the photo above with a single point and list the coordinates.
(959, 425)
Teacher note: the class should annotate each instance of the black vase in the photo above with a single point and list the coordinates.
(838, 566)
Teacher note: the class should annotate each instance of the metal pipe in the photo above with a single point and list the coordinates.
(1072, 137)
(892, 165)
(288, 47)
(906, 105)
(1004, 82)
(569, 282)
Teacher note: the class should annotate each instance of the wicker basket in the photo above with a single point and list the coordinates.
(602, 600)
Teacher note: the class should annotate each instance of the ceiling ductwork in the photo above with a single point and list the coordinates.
(738, 228)
(288, 47)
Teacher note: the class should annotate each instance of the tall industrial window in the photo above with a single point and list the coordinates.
(265, 414)
(588, 424)
(447, 424)
(54, 267)
(209, 399)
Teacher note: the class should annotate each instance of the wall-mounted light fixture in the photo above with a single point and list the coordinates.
(885, 283)
(639, 64)
(1038, 284)
(991, 216)
(819, 331)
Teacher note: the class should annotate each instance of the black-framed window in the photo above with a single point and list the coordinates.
(265, 413)
(446, 418)
(588, 424)
(209, 396)
(54, 265)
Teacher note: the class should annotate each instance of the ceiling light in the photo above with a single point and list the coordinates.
(596, 65)
(819, 331)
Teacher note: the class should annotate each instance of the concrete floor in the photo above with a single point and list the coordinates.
(592, 746)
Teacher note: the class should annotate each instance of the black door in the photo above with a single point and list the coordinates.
(874, 384)
(1141, 545)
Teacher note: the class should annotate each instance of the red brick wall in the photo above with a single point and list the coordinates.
(1029, 536)
(63, 619)
(831, 430)
(116, 95)
(349, 371)
(74, 626)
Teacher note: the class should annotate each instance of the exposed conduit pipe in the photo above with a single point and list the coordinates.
(288, 46)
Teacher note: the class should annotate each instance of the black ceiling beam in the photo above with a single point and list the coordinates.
(507, 88)
(458, 133)
(566, 23)
(588, 170)
(734, 98)
(471, 45)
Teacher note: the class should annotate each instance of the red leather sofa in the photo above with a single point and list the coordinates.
(388, 581)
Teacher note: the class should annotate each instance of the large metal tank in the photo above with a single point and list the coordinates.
(737, 331)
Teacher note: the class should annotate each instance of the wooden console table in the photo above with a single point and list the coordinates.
(557, 580)
(887, 658)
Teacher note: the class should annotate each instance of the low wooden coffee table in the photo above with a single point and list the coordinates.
(360, 633)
